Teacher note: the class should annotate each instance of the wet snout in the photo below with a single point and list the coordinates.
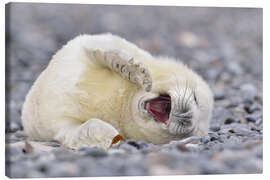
(184, 118)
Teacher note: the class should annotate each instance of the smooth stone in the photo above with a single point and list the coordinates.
(219, 94)
(214, 127)
(93, 152)
(253, 117)
(249, 92)
(253, 108)
(133, 143)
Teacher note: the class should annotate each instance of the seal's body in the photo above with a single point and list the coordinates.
(99, 86)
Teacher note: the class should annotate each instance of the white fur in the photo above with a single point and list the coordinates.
(74, 91)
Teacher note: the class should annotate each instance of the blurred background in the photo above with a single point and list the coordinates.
(224, 45)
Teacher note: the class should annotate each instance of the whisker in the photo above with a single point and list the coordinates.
(184, 116)
(188, 100)
(178, 89)
(183, 99)
(178, 128)
(181, 129)
(175, 128)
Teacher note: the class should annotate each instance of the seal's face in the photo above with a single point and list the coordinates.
(176, 113)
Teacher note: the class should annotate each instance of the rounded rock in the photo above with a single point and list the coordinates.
(93, 152)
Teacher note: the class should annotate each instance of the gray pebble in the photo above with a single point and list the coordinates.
(205, 139)
(14, 127)
(116, 151)
(234, 101)
(253, 117)
(214, 127)
(249, 92)
(65, 155)
(241, 131)
(133, 143)
(252, 108)
(93, 152)
(143, 144)
(220, 114)
(259, 122)
(234, 68)
(128, 148)
(213, 136)
(63, 169)
(219, 94)
(230, 120)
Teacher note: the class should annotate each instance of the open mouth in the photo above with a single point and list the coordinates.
(159, 108)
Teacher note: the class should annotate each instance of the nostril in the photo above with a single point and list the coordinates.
(183, 118)
(186, 122)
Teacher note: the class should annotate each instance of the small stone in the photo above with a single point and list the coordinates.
(43, 167)
(63, 169)
(13, 151)
(143, 144)
(84, 163)
(116, 151)
(219, 94)
(241, 131)
(214, 127)
(253, 127)
(36, 174)
(253, 117)
(234, 102)
(93, 152)
(20, 134)
(205, 139)
(259, 122)
(253, 108)
(220, 114)
(128, 148)
(133, 143)
(13, 127)
(229, 120)
(249, 92)
(235, 68)
(213, 136)
(224, 129)
(234, 139)
(225, 77)
(65, 155)
(212, 74)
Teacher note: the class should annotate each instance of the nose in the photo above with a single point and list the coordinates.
(186, 114)
(183, 117)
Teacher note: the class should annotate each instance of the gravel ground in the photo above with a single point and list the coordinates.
(224, 45)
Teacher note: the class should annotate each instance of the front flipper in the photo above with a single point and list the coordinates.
(127, 67)
(92, 133)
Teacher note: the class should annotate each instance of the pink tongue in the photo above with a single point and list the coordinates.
(157, 108)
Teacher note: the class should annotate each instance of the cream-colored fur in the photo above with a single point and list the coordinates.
(81, 100)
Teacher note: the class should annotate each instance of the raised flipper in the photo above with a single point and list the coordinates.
(127, 67)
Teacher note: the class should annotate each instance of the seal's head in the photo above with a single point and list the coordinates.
(179, 105)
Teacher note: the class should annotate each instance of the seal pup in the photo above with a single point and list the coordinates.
(99, 86)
